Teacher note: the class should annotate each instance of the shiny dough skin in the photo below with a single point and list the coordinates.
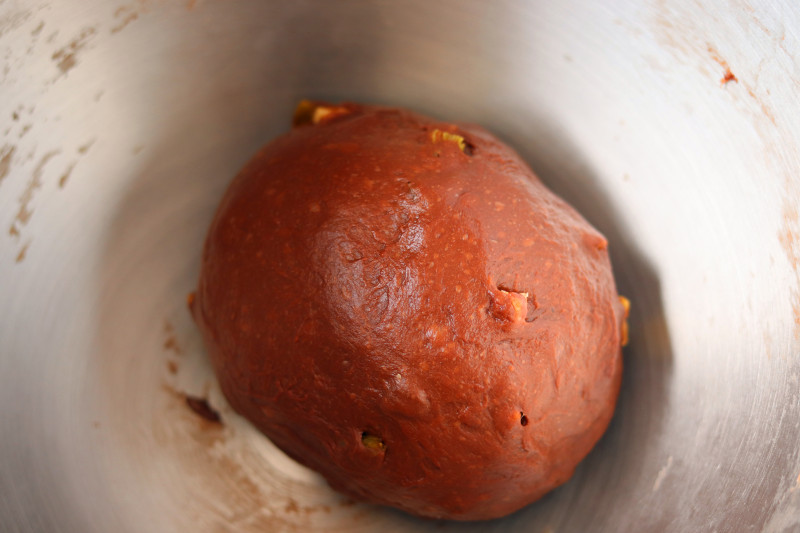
(401, 305)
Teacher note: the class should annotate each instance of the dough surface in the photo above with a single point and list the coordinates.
(401, 305)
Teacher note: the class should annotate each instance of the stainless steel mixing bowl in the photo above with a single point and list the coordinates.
(673, 126)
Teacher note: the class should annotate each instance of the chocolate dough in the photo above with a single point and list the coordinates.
(401, 305)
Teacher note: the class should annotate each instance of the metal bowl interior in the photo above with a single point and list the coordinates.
(673, 127)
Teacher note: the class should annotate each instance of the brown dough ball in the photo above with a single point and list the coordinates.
(401, 305)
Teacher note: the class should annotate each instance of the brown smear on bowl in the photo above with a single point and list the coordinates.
(22, 252)
(201, 408)
(85, 147)
(203, 430)
(687, 41)
(171, 340)
(728, 76)
(6, 155)
(67, 57)
(62, 181)
(130, 12)
(25, 211)
(789, 237)
(236, 496)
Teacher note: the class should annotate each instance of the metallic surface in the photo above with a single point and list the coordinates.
(673, 126)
